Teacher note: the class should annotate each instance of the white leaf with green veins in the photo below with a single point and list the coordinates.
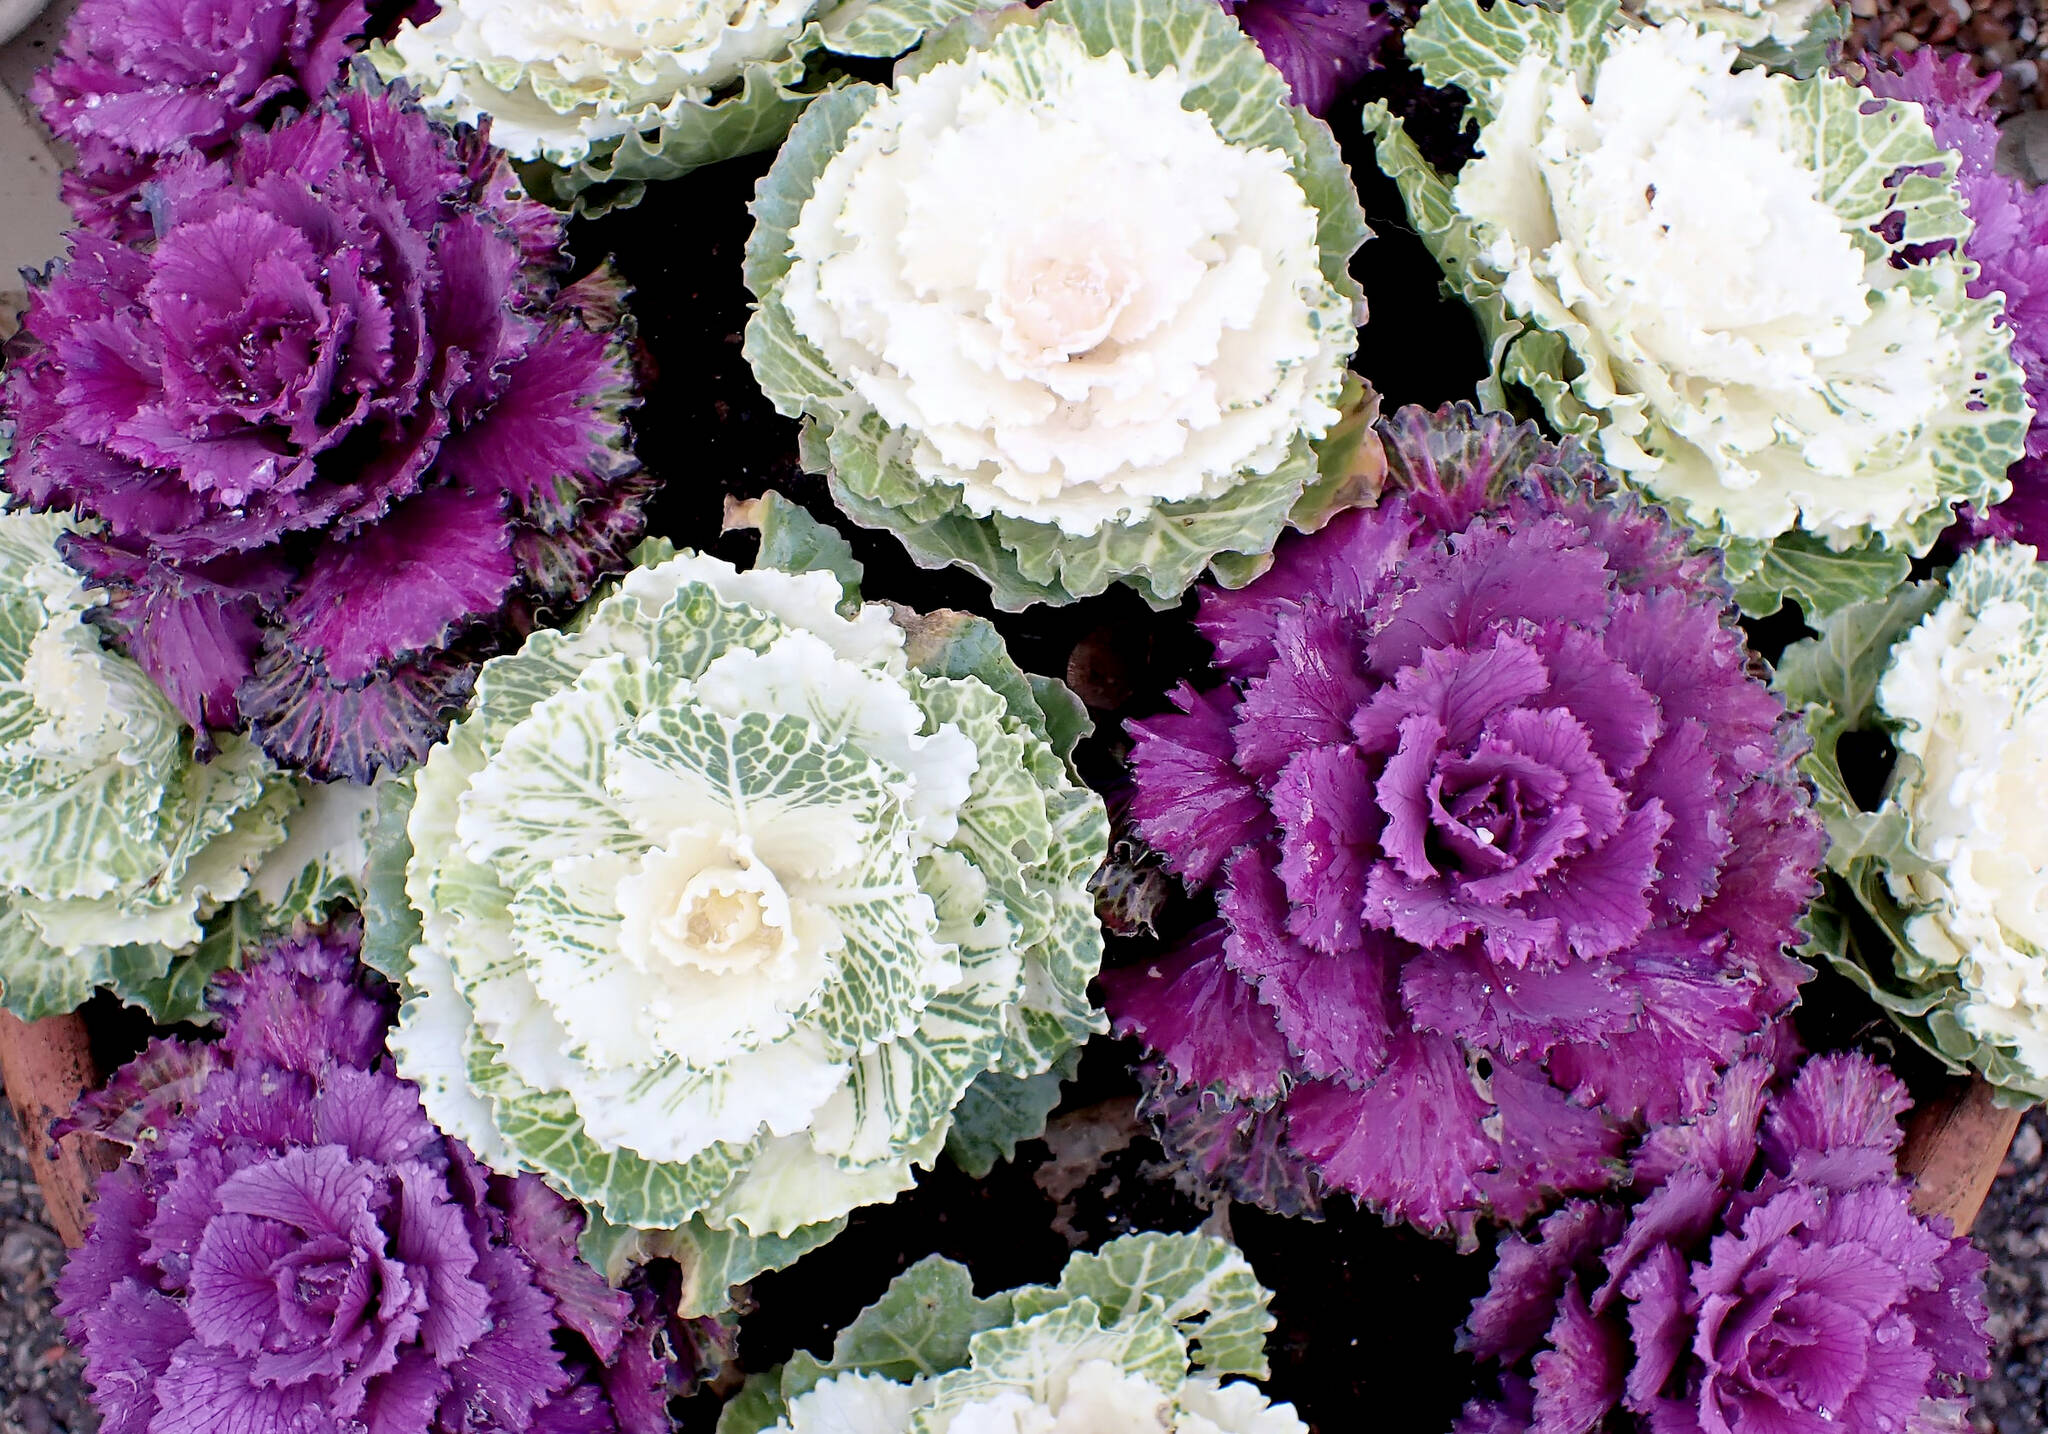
(723, 906)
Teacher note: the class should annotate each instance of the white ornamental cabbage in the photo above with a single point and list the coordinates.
(1694, 267)
(1135, 1339)
(1967, 699)
(119, 850)
(616, 92)
(1068, 304)
(726, 898)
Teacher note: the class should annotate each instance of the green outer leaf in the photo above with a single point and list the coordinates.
(391, 927)
(1822, 581)
(1456, 42)
(1808, 55)
(1034, 1354)
(1001, 1111)
(923, 1325)
(1433, 214)
(880, 29)
(1203, 1285)
(792, 541)
(1025, 562)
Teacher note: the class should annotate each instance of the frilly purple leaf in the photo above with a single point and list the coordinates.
(340, 431)
(1506, 834)
(1797, 1292)
(291, 1245)
(1321, 46)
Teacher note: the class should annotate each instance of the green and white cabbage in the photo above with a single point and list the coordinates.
(1952, 867)
(612, 93)
(1700, 270)
(728, 895)
(1138, 1338)
(1068, 305)
(120, 851)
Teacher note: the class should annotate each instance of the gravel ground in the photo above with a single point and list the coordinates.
(2013, 1230)
(40, 1388)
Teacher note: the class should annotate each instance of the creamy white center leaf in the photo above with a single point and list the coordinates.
(1075, 297)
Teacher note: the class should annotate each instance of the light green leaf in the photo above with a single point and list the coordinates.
(391, 927)
(885, 28)
(1457, 42)
(1202, 1284)
(998, 1112)
(795, 542)
(1822, 581)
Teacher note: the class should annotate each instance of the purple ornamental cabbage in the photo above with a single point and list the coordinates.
(2008, 242)
(1767, 1276)
(292, 1248)
(345, 435)
(1505, 834)
(1320, 46)
(140, 82)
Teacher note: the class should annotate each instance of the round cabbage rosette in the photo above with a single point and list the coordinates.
(1137, 1338)
(1952, 866)
(1068, 305)
(119, 848)
(135, 86)
(613, 93)
(1507, 841)
(1766, 1275)
(1745, 290)
(725, 903)
(290, 1245)
(340, 431)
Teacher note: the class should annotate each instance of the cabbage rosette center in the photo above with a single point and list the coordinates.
(724, 904)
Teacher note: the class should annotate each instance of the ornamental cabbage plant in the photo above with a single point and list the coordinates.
(1766, 1274)
(728, 896)
(1137, 1338)
(2008, 243)
(1743, 289)
(337, 430)
(1068, 305)
(1938, 905)
(291, 1246)
(1506, 840)
(138, 84)
(121, 850)
(613, 93)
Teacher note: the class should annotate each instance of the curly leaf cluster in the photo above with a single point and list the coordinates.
(727, 899)
(1766, 1274)
(339, 431)
(1138, 1335)
(119, 847)
(1507, 841)
(291, 1245)
(610, 95)
(1743, 288)
(1934, 898)
(1061, 362)
(138, 84)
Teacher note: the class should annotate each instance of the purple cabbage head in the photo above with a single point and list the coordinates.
(1768, 1276)
(1505, 834)
(2009, 243)
(340, 432)
(292, 1247)
(1321, 46)
(141, 82)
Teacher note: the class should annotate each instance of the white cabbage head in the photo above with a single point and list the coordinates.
(556, 77)
(724, 904)
(1694, 250)
(1967, 694)
(1138, 1338)
(1074, 297)
(118, 848)
(1746, 22)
